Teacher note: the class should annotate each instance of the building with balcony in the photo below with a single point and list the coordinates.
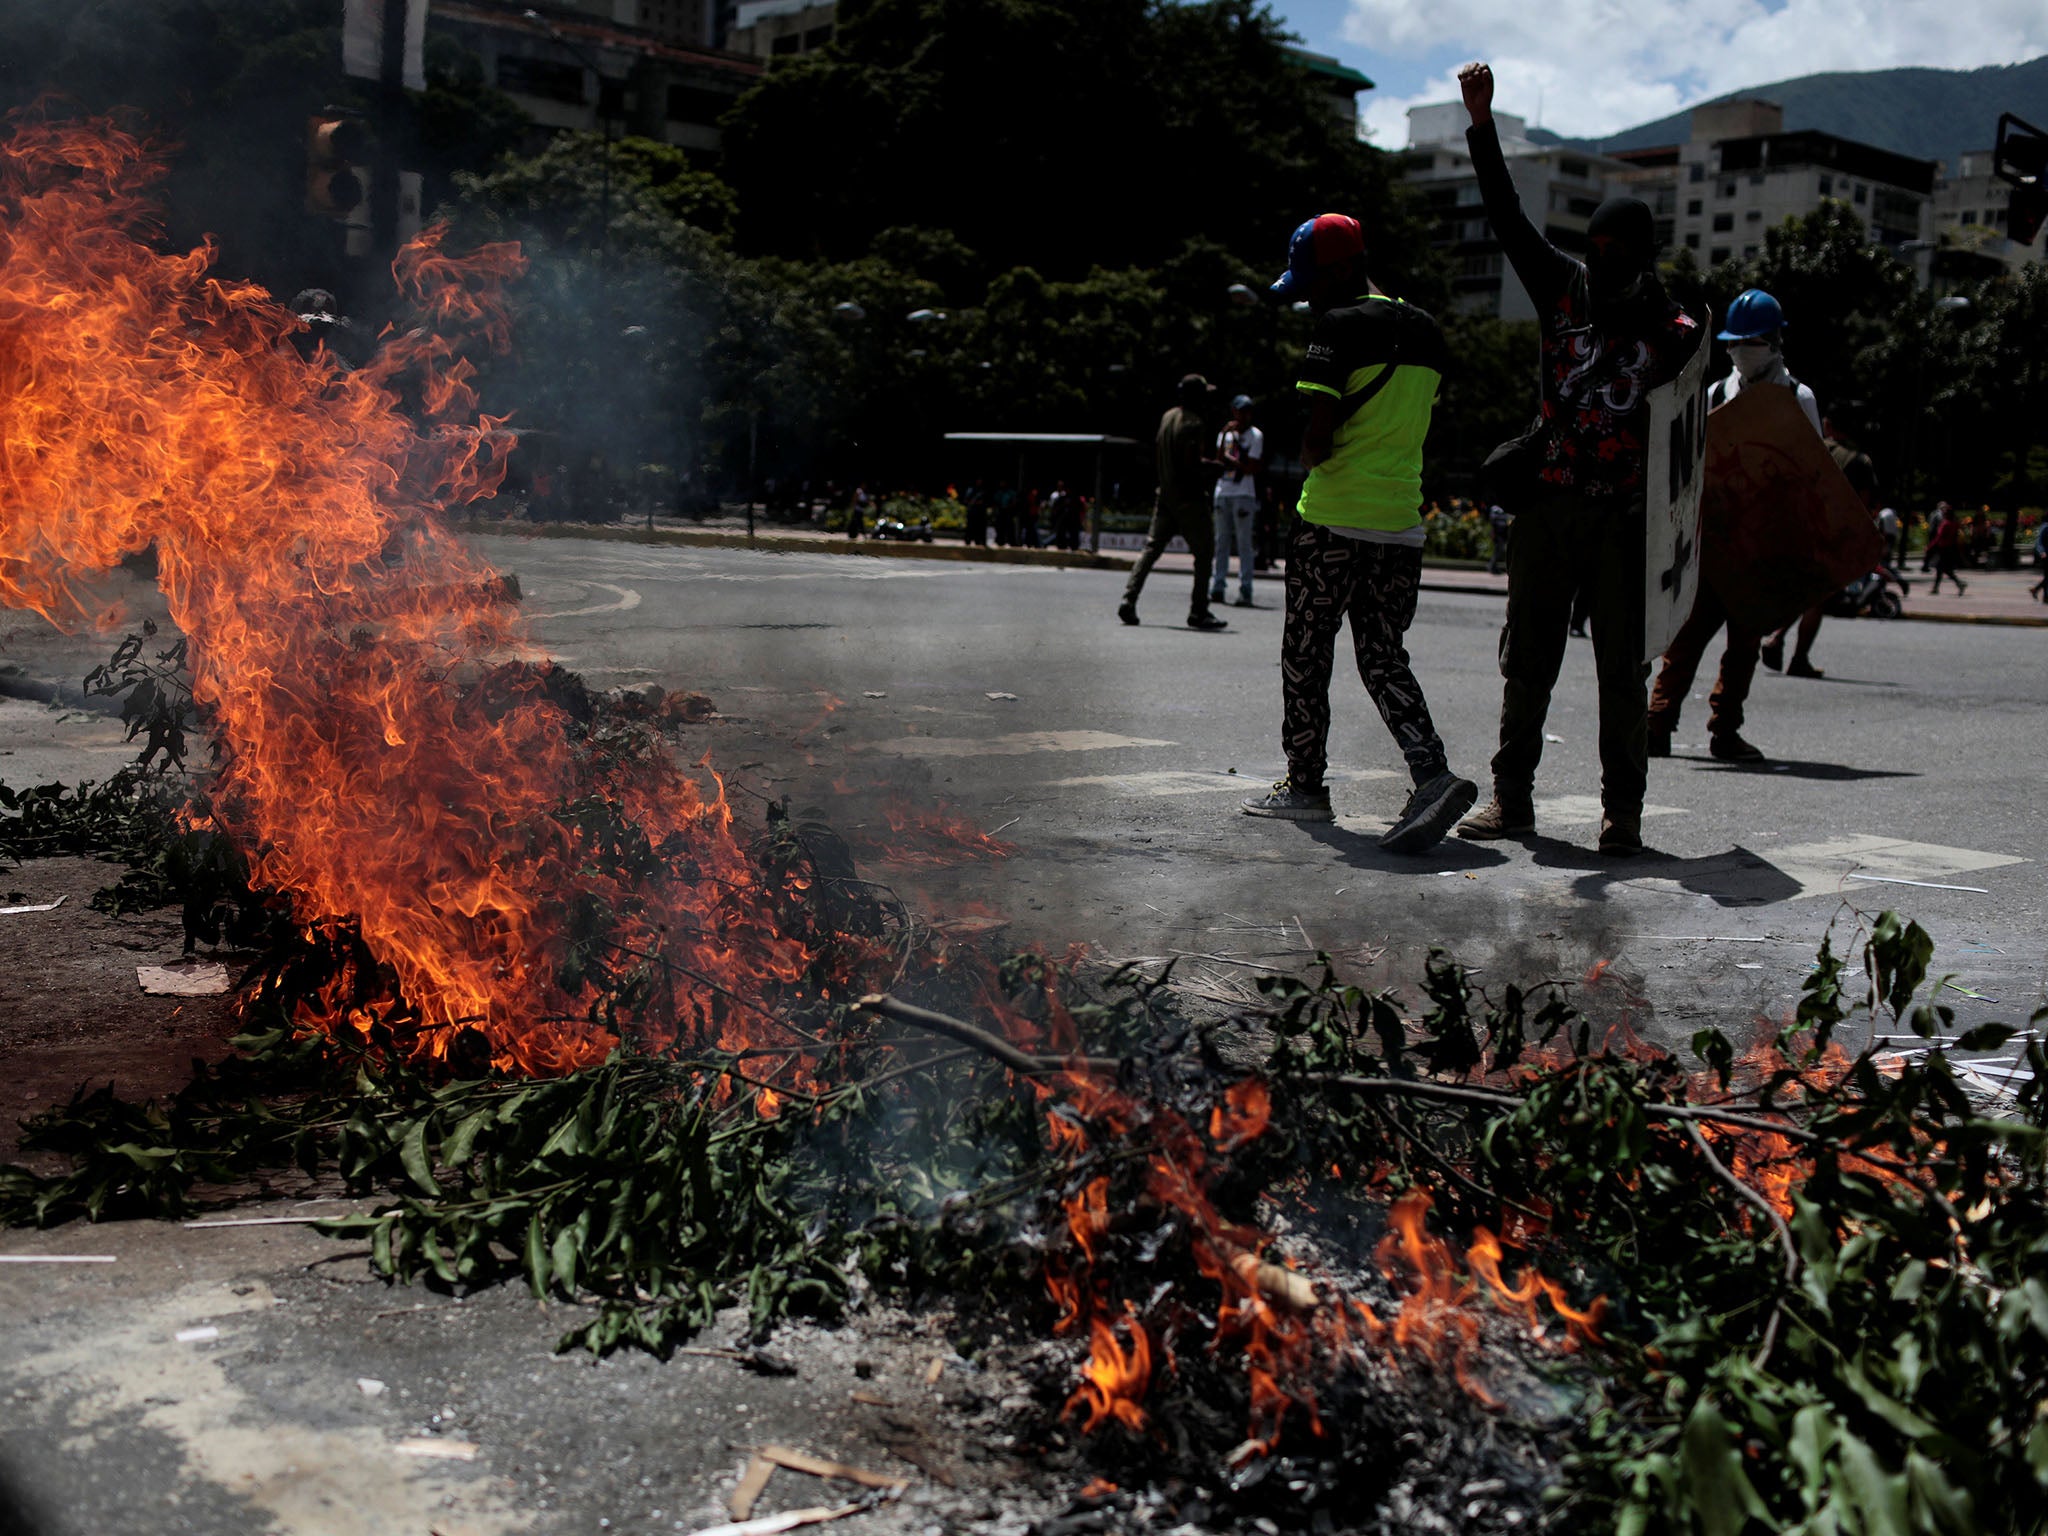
(1970, 214)
(1740, 174)
(1339, 84)
(595, 68)
(770, 29)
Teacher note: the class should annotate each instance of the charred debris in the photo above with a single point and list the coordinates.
(1336, 1262)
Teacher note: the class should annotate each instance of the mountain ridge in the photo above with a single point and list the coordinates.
(1930, 114)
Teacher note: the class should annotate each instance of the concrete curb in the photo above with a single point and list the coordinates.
(797, 544)
(714, 538)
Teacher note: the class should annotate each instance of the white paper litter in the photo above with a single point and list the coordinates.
(56, 1258)
(438, 1450)
(196, 1335)
(369, 1386)
(205, 978)
(1000, 695)
(47, 906)
(768, 1525)
(873, 693)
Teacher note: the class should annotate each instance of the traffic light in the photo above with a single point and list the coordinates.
(336, 147)
(2022, 159)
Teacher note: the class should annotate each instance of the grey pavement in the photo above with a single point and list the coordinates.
(1907, 778)
(1115, 770)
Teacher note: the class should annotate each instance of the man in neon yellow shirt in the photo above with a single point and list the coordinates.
(1371, 374)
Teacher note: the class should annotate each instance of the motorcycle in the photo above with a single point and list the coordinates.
(1872, 595)
(902, 532)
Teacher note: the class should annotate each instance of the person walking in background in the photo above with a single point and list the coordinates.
(1063, 517)
(1609, 334)
(1893, 532)
(1501, 526)
(1861, 474)
(1027, 519)
(975, 533)
(1372, 373)
(1241, 449)
(1943, 513)
(857, 512)
(1181, 459)
(1754, 331)
(1944, 546)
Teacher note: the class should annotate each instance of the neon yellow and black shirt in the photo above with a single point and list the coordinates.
(1373, 476)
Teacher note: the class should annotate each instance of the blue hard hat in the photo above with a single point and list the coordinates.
(1754, 313)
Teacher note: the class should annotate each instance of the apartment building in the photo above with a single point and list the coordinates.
(1559, 185)
(1970, 214)
(595, 67)
(1740, 174)
(768, 29)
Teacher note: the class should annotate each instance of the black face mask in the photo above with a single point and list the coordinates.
(1621, 253)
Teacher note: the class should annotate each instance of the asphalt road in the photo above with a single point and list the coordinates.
(249, 1379)
(1118, 766)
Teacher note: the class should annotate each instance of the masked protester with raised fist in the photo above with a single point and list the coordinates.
(1574, 483)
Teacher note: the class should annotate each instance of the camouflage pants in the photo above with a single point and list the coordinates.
(1331, 578)
(1189, 521)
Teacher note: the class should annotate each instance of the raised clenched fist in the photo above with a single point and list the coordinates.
(1476, 81)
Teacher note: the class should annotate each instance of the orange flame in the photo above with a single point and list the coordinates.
(381, 762)
(928, 837)
(1114, 1382)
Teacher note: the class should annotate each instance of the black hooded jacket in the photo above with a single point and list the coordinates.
(1599, 360)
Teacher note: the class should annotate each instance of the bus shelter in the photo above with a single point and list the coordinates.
(1026, 442)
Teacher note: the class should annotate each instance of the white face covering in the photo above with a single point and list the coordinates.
(1753, 359)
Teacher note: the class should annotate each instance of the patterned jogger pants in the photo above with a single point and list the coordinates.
(1331, 578)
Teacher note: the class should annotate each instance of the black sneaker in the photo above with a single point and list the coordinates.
(1243, 602)
(1801, 667)
(1128, 612)
(1772, 655)
(1207, 621)
(1431, 811)
(1287, 803)
(1731, 748)
(1660, 742)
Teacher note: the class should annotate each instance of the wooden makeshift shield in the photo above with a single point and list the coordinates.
(1671, 563)
(1782, 527)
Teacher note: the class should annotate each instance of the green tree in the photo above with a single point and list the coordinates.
(1055, 134)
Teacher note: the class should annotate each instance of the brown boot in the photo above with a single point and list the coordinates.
(1621, 834)
(1499, 818)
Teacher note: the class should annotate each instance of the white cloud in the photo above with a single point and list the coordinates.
(1597, 66)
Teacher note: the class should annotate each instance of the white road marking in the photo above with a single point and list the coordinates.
(624, 600)
(1585, 810)
(1183, 781)
(1822, 868)
(806, 568)
(1016, 745)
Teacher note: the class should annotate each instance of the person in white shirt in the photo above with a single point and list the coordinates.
(1242, 449)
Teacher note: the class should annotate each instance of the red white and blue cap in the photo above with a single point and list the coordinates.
(1327, 240)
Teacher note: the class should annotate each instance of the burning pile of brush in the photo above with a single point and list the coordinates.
(595, 1029)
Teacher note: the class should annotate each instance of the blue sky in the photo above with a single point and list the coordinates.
(1597, 66)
